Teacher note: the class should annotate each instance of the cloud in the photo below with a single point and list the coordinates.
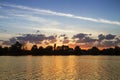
(101, 37)
(34, 18)
(11, 41)
(110, 36)
(80, 36)
(3, 16)
(54, 30)
(89, 39)
(107, 37)
(86, 40)
(117, 42)
(107, 44)
(83, 38)
(62, 35)
(62, 14)
(65, 37)
(31, 38)
(52, 39)
(66, 41)
(43, 24)
(109, 22)
(31, 18)
(108, 40)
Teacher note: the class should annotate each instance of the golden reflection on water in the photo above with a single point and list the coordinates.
(68, 67)
(28, 67)
(60, 68)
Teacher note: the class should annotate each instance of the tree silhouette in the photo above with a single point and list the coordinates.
(117, 50)
(77, 50)
(34, 50)
(41, 50)
(49, 50)
(17, 49)
(54, 47)
(1, 50)
(93, 51)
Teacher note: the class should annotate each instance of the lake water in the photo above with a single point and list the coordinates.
(59, 68)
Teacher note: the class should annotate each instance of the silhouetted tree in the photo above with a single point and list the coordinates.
(64, 50)
(41, 50)
(77, 50)
(54, 47)
(15, 49)
(109, 51)
(34, 50)
(49, 50)
(117, 50)
(93, 51)
(1, 50)
(70, 51)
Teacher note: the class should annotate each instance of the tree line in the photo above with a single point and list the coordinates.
(17, 50)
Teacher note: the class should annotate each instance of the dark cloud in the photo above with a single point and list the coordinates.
(86, 40)
(108, 43)
(83, 38)
(107, 37)
(110, 36)
(13, 40)
(89, 39)
(32, 38)
(108, 40)
(65, 39)
(52, 39)
(101, 37)
(80, 36)
(10, 42)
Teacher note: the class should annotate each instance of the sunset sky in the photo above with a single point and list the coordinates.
(85, 23)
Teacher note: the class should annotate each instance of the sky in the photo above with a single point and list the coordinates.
(85, 23)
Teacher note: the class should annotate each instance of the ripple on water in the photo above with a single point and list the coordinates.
(60, 68)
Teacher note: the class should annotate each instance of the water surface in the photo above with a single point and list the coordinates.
(59, 68)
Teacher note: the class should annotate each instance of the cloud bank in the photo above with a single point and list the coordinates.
(81, 39)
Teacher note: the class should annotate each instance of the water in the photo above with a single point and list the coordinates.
(59, 68)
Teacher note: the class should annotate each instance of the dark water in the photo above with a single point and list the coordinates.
(60, 68)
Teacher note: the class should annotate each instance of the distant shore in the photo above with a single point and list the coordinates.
(18, 50)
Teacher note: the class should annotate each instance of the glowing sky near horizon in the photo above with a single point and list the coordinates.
(52, 17)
